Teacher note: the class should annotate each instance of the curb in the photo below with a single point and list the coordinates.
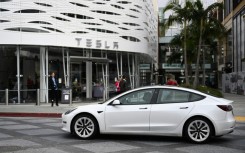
(9, 114)
(240, 118)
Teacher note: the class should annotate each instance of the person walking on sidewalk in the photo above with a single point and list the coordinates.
(171, 81)
(53, 84)
(123, 84)
(117, 82)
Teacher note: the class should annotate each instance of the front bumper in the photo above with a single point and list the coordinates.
(65, 123)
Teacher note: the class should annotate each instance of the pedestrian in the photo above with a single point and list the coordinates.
(171, 81)
(123, 84)
(117, 84)
(53, 84)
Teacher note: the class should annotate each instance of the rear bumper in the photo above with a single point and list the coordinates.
(225, 127)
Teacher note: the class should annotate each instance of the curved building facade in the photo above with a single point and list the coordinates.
(85, 42)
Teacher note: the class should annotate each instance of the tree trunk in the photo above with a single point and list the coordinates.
(196, 79)
(185, 57)
(203, 69)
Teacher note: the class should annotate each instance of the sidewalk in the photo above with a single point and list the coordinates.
(32, 110)
(45, 110)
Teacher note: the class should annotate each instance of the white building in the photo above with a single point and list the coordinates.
(83, 41)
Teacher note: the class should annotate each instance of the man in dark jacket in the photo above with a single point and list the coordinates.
(53, 84)
(123, 84)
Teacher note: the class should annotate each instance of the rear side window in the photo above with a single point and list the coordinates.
(172, 96)
(196, 97)
(177, 96)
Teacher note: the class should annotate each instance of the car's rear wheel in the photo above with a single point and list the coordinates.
(85, 126)
(198, 130)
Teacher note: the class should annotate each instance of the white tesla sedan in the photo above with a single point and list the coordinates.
(154, 110)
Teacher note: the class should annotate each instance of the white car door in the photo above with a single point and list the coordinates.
(132, 115)
(171, 108)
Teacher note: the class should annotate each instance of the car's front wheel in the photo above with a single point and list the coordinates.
(198, 130)
(85, 126)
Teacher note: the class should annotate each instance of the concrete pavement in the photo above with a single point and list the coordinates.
(31, 110)
(44, 135)
(45, 110)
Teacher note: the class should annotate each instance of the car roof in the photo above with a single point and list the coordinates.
(159, 87)
(171, 87)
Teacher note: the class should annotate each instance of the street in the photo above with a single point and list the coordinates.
(31, 135)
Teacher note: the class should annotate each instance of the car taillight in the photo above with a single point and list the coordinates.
(226, 108)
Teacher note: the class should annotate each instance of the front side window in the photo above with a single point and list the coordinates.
(137, 97)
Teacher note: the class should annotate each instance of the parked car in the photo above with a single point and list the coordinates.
(154, 110)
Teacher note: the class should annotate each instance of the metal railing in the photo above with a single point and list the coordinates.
(39, 96)
(5, 96)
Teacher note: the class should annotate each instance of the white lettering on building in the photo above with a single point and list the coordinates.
(78, 41)
(89, 42)
(96, 43)
(115, 45)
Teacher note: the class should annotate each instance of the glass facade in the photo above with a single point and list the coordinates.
(233, 79)
(238, 41)
(24, 69)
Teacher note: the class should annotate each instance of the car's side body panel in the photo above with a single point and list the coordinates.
(167, 117)
(127, 118)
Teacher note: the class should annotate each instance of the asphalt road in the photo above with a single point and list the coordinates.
(34, 135)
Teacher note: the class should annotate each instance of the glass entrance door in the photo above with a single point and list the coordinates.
(78, 81)
(93, 79)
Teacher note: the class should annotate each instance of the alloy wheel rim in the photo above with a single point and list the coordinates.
(84, 127)
(198, 130)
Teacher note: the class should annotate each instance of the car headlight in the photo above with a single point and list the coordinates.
(69, 111)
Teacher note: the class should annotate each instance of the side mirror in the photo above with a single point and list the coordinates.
(116, 102)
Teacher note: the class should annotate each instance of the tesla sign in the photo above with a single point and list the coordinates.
(97, 43)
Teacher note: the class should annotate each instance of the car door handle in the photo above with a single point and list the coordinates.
(183, 107)
(143, 108)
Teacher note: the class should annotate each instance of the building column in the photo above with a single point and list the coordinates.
(18, 72)
(89, 86)
(43, 75)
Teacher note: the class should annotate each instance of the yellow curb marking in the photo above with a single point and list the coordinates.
(240, 118)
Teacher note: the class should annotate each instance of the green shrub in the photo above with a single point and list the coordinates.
(207, 90)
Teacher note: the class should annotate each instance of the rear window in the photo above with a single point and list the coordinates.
(195, 97)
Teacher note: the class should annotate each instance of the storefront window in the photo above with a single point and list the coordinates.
(8, 71)
(29, 72)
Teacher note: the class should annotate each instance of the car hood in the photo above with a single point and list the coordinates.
(92, 106)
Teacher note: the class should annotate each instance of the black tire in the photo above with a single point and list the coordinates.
(198, 130)
(85, 126)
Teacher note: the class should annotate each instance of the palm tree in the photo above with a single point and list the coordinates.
(183, 16)
(205, 21)
(191, 41)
